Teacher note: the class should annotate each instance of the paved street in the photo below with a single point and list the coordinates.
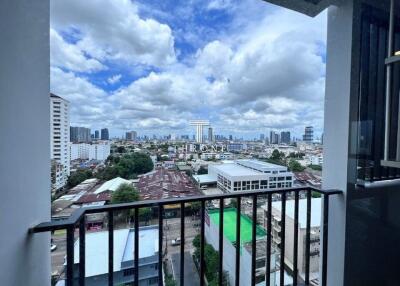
(172, 231)
(57, 256)
(191, 273)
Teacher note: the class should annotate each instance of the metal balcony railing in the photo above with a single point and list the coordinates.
(77, 219)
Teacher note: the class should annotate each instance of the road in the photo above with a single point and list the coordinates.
(57, 256)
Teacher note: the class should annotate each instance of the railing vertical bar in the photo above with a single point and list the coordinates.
(70, 255)
(253, 242)
(269, 234)
(160, 245)
(182, 256)
(325, 241)
(282, 245)
(296, 237)
(110, 248)
(82, 255)
(221, 241)
(237, 269)
(137, 249)
(202, 242)
(307, 246)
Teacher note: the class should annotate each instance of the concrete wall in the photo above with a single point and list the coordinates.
(24, 144)
(336, 131)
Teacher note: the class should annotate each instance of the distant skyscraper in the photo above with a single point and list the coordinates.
(210, 134)
(308, 134)
(96, 134)
(59, 140)
(80, 135)
(230, 137)
(273, 137)
(131, 135)
(104, 134)
(285, 137)
(262, 137)
(199, 128)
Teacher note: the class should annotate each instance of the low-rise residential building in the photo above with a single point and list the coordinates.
(85, 151)
(229, 245)
(276, 217)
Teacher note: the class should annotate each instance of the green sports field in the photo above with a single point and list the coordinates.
(230, 225)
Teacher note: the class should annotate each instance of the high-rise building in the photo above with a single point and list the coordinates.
(273, 137)
(285, 137)
(104, 134)
(308, 134)
(199, 128)
(230, 137)
(210, 134)
(96, 134)
(59, 139)
(80, 134)
(131, 135)
(262, 137)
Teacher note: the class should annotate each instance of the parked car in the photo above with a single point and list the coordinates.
(176, 241)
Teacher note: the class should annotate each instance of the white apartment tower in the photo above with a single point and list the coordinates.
(199, 124)
(59, 137)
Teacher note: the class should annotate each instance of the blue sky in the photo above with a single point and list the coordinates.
(151, 66)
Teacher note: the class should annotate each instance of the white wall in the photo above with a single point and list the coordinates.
(24, 117)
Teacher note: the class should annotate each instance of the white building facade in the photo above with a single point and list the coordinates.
(250, 175)
(59, 138)
(94, 151)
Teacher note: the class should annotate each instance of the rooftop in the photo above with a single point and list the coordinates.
(315, 211)
(163, 183)
(260, 165)
(112, 185)
(230, 225)
(97, 250)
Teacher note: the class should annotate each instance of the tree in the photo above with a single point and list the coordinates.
(277, 156)
(78, 177)
(145, 214)
(125, 194)
(295, 166)
(202, 171)
(121, 149)
(315, 167)
(128, 166)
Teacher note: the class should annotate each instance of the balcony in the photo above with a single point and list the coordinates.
(76, 268)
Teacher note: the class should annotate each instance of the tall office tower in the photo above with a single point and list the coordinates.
(199, 128)
(59, 140)
(308, 134)
(230, 137)
(210, 135)
(273, 137)
(285, 137)
(131, 136)
(104, 134)
(96, 134)
(80, 135)
(262, 137)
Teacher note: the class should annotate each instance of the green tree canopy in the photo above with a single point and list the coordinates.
(295, 166)
(125, 194)
(128, 166)
(78, 177)
(202, 170)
